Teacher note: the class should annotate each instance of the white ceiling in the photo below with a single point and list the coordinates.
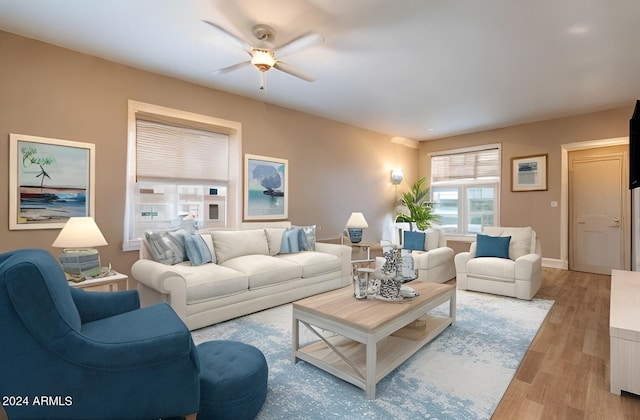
(420, 69)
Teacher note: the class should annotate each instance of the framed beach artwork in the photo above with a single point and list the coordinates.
(266, 184)
(529, 173)
(50, 180)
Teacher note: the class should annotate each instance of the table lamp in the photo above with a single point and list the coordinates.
(77, 238)
(354, 226)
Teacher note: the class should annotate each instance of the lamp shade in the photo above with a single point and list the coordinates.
(357, 220)
(79, 232)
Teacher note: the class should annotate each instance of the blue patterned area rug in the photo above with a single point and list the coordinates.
(462, 374)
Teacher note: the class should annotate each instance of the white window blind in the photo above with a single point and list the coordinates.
(178, 153)
(477, 164)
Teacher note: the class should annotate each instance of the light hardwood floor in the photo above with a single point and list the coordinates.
(565, 373)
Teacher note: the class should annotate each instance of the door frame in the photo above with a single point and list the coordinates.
(564, 189)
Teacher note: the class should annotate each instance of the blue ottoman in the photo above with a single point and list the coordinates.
(233, 380)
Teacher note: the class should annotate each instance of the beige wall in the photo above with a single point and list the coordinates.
(545, 137)
(334, 168)
(53, 92)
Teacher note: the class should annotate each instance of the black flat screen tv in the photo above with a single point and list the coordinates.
(634, 148)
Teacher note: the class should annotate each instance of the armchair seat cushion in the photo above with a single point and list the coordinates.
(148, 336)
(492, 268)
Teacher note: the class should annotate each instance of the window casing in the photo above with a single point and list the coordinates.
(465, 187)
(180, 164)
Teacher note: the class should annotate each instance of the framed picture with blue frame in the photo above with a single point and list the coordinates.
(50, 181)
(266, 195)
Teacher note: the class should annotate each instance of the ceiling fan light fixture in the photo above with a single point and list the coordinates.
(262, 59)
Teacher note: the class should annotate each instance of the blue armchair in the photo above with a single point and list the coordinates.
(71, 354)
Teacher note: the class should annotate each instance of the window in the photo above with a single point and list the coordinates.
(179, 164)
(465, 187)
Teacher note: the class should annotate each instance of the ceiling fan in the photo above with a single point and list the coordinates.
(264, 59)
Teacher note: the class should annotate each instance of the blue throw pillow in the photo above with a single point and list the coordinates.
(307, 237)
(492, 246)
(290, 241)
(197, 250)
(167, 247)
(414, 240)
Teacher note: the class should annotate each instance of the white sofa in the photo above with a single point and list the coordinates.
(519, 275)
(249, 274)
(435, 262)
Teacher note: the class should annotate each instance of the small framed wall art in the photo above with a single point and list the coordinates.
(266, 195)
(50, 180)
(529, 173)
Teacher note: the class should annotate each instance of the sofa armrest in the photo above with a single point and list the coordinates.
(154, 274)
(429, 259)
(341, 251)
(461, 260)
(527, 266)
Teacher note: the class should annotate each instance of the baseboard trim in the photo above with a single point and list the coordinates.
(555, 263)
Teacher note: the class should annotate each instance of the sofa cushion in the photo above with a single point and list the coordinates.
(307, 238)
(264, 270)
(489, 268)
(492, 246)
(314, 263)
(167, 247)
(523, 239)
(229, 244)
(290, 241)
(414, 240)
(210, 281)
(274, 239)
(206, 237)
(197, 250)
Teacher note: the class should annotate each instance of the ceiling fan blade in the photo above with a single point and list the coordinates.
(231, 37)
(232, 68)
(294, 71)
(300, 43)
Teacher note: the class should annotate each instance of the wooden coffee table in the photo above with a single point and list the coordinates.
(372, 337)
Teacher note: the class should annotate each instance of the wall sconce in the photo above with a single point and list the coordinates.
(397, 176)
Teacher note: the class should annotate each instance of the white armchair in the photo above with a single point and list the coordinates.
(519, 275)
(434, 263)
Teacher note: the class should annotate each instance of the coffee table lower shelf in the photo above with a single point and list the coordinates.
(392, 351)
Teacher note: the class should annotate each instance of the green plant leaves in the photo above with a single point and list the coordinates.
(417, 202)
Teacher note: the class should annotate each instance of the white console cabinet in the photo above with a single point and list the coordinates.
(624, 331)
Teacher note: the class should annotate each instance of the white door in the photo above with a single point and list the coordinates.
(598, 197)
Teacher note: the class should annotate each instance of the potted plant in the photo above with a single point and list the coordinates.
(417, 204)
